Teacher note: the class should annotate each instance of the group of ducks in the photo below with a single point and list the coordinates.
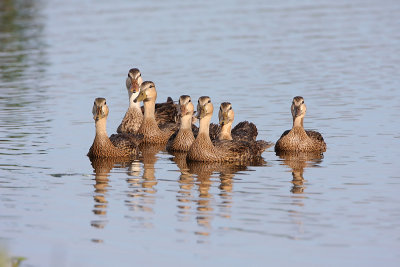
(173, 125)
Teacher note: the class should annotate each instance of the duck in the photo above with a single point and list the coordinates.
(134, 116)
(246, 131)
(118, 145)
(204, 150)
(164, 112)
(183, 138)
(152, 134)
(297, 139)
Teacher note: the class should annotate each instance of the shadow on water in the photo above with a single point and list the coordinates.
(23, 116)
(297, 162)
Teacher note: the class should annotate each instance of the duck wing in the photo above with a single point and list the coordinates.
(166, 112)
(317, 137)
(245, 131)
(169, 127)
(125, 140)
(238, 150)
(215, 129)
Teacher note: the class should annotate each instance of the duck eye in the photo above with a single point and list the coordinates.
(209, 101)
(230, 108)
(94, 103)
(105, 103)
(302, 102)
(190, 100)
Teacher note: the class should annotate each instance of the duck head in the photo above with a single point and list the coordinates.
(133, 81)
(226, 114)
(204, 107)
(100, 109)
(185, 106)
(298, 109)
(147, 92)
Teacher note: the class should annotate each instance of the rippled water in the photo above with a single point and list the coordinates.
(59, 209)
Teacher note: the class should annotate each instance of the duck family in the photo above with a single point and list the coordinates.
(173, 125)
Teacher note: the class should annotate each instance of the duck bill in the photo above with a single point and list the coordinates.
(140, 97)
(134, 87)
(202, 112)
(182, 110)
(296, 111)
(224, 119)
(98, 114)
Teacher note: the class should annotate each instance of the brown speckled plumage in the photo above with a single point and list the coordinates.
(204, 150)
(133, 117)
(183, 138)
(297, 139)
(244, 130)
(103, 147)
(181, 141)
(131, 122)
(152, 134)
(166, 112)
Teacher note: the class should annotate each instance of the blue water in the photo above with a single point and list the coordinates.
(343, 57)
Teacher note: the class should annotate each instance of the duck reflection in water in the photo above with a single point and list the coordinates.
(297, 161)
(142, 192)
(200, 175)
(101, 169)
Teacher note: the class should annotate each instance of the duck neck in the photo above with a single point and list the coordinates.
(225, 133)
(298, 121)
(205, 125)
(186, 122)
(132, 104)
(101, 127)
(149, 108)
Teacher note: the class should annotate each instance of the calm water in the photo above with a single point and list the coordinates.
(59, 209)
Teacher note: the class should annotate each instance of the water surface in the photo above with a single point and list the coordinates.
(60, 209)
